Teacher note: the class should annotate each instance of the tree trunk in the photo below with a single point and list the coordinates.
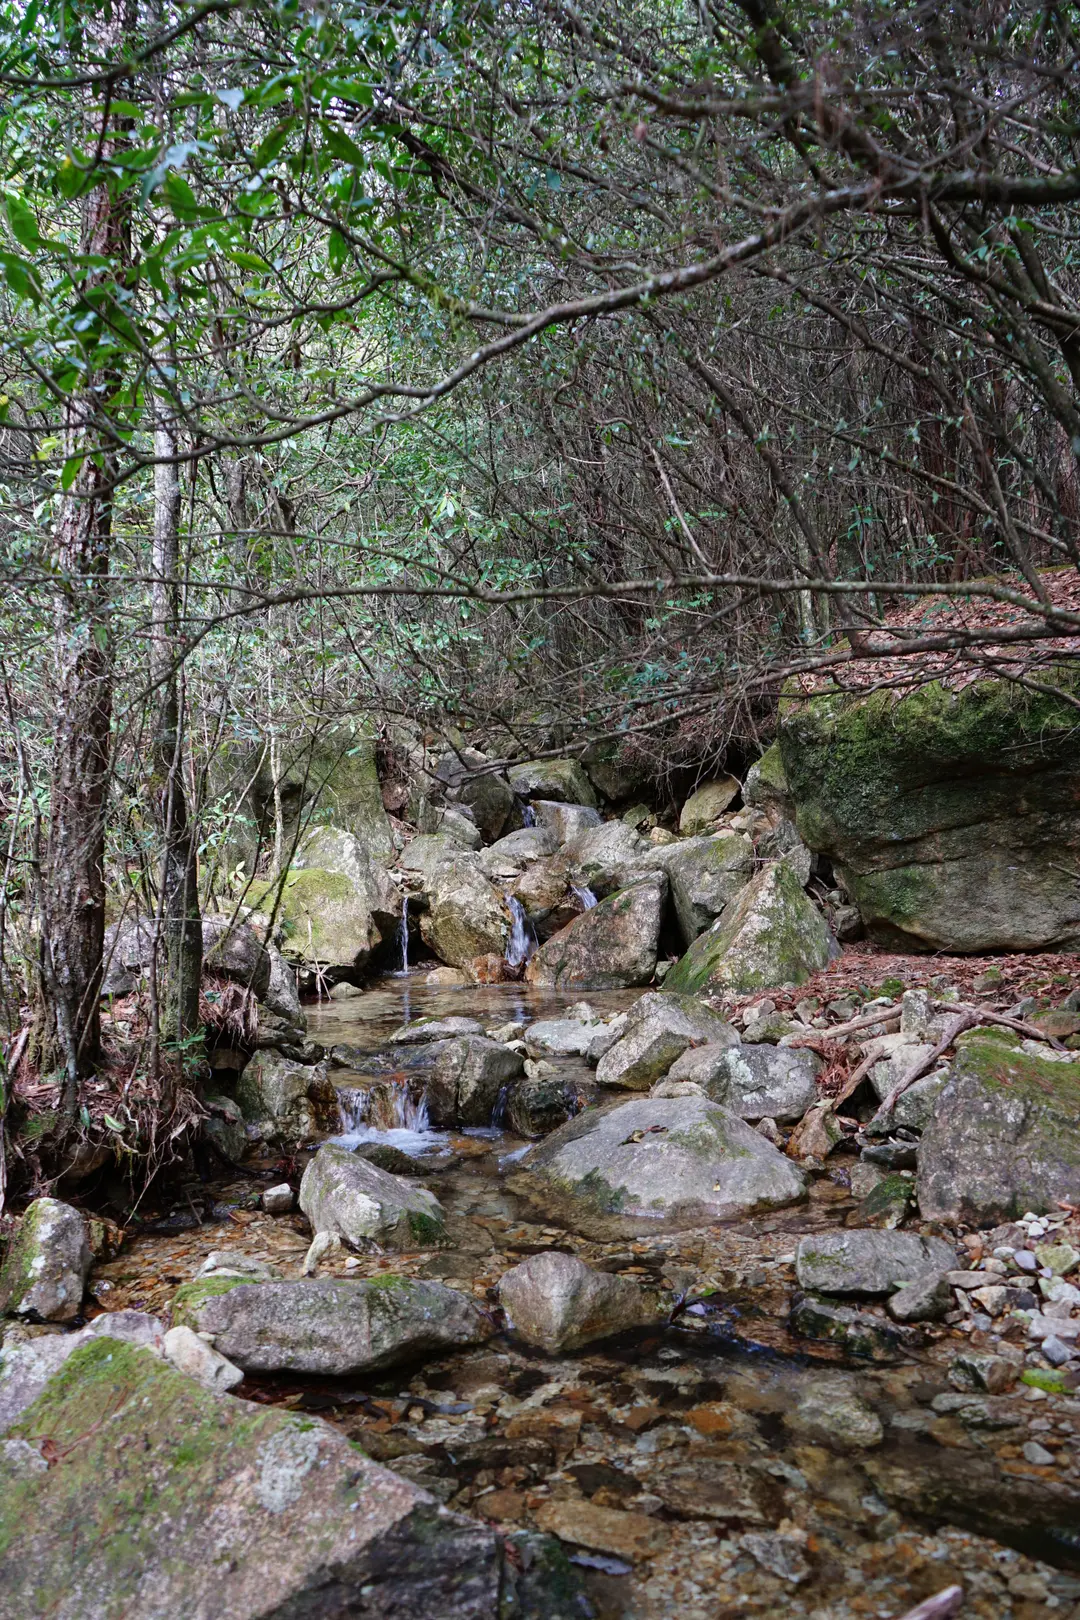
(179, 910)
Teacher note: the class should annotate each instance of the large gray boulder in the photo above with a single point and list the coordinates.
(952, 816)
(611, 947)
(869, 1262)
(281, 996)
(127, 1489)
(559, 1303)
(286, 1101)
(758, 1082)
(518, 848)
(564, 822)
(604, 857)
(769, 936)
(707, 804)
(561, 1037)
(1004, 1137)
(468, 1075)
(234, 950)
(336, 904)
(465, 917)
(331, 1326)
(47, 1263)
(27, 1364)
(346, 1196)
(659, 1029)
(561, 779)
(705, 875)
(681, 1160)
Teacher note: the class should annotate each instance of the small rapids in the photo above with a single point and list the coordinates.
(411, 1131)
(522, 941)
(585, 895)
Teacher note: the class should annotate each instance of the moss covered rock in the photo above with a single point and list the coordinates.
(1005, 1136)
(703, 808)
(46, 1264)
(562, 779)
(353, 1199)
(287, 1101)
(611, 947)
(128, 1489)
(953, 817)
(705, 875)
(336, 1325)
(770, 935)
(682, 1160)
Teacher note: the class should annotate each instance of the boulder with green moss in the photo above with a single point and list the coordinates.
(706, 805)
(468, 1075)
(353, 1199)
(334, 1325)
(465, 916)
(286, 1101)
(766, 786)
(705, 875)
(953, 817)
(770, 935)
(679, 1160)
(561, 779)
(46, 1264)
(338, 923)
(1005, 1136)
(128, 1489)
(611, 947)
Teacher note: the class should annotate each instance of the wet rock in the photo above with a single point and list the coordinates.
(604, 857)
(832, 1413)
(1005, 1136)
(435, 1029)
(540, 1103)
(224, 1127)
(165, 1500)
(561, 779)
(281, 996)
(770, 935)
(609, 1530)
(191, 1355)
(888, 1204)
(465, 918)
(927, 1299)
(856, 1332)
(682, 1159)
(779, 1552)
(336, 1326)
(557, 1302)
(703, 808)
(519, 848)
(758, 1082)
(867, 1262)
(286, 1101)
(467, 1078)
(659, 1029)
(611, 947)
(710, 1488)
(977, 1370)
(353, 1199)
(47, 1263)
(705, 875)
(278, 1200)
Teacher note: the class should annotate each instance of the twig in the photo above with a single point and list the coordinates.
(858, 1075)
(886, 1017)
(938, 1607)
(965, 1019)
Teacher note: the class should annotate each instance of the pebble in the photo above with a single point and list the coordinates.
(1056, 1351)
(1037, 1455)
(1025, 1260)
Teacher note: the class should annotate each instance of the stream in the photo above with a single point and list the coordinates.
(711, 1467)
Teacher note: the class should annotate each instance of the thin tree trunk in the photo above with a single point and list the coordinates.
(181, 917)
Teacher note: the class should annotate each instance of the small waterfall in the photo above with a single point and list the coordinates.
(353, 1108)
(403, 934)
(528, 815)
(409, 1115)
(498, 1113)
(584, 894)
(522, 941)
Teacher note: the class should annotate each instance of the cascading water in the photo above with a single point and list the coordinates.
(403, 935)
(522, 941)
(352, 1107)
(410, 1132)
(585, 895)
(498, 1113)
(528, 815)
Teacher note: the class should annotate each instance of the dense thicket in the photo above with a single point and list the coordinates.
(544, 371)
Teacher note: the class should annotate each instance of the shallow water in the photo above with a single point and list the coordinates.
(678, 1465)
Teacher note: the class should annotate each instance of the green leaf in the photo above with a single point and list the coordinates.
(180, 196)
(350, 90)
(341, 147)
(269, 149)
(113, 1124)
(247, 261)
(71, 179)
(337, 250)
(70, 471)
(23, 224)
(19, 277)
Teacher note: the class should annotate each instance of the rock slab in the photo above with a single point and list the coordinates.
(353, 1199)
(47, 1263)
(559, 1303)
(869, 1262)
(770, 935)
(611, 947)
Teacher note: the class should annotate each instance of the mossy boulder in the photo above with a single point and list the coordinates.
(468, 1075)
(770, 935)
(128, 1489)
(339, 902)
(703, 808)
(46, 1264)
(465, 916)
(679, 1160)
(286, 1101)
(953, 817)
(705, 875)
(353, 1199)
(1005, 1136)
(611, 947)
(766, 786)
(562, 779)
(336, 1326)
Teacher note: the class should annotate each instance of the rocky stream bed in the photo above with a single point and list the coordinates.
(709, 1463)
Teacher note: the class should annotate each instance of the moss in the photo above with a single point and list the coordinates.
(386, 1281)
(304, 896)
(425, 1229)
(769, 935)
(190, 1297)
(35, 1127)
(598, 1194)
(1002, 1067)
